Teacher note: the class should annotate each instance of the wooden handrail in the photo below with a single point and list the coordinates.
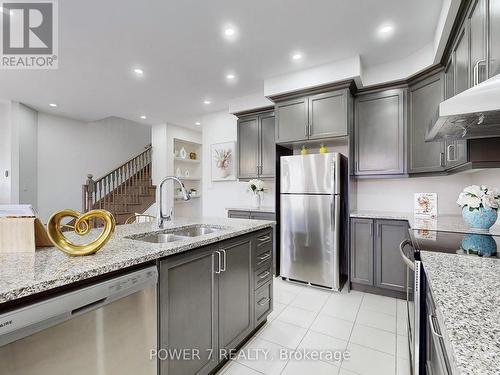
(120, 186)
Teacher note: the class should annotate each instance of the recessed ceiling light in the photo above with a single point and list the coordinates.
(229, 31)
(197, 123)
(143, 117)
(207, 101)
(53, 105)
(385, 30)
(296, 56)
(138, 71)
(230, 76)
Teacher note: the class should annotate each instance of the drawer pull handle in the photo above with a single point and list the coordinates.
(263, 301)
(264, 275)
(433, 328)
(265, 257)
(263, 239)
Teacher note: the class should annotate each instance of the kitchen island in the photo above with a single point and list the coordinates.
(215, 288)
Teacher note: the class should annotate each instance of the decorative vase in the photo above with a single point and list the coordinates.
(256, 200)
(479, 218)
(183, 153)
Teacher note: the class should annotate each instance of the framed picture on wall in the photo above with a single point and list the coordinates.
(223, 161)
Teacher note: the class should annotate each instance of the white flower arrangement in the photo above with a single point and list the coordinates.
(256, 186)
(475, 197)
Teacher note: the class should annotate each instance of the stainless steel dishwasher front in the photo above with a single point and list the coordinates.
(107, 328)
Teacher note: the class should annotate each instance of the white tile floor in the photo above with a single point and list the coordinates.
(370, 328)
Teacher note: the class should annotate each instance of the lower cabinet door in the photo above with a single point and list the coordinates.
(188, 313)
(390, 271)
(362, 251)
(235, 292)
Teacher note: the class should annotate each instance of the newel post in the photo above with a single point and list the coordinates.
(90, 191)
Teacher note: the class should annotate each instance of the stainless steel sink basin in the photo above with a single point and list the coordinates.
(162, 238)
(196, 231)
(177, 235)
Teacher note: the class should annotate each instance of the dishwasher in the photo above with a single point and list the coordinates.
(106, 328)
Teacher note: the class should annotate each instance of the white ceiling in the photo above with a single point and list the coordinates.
(180, 46)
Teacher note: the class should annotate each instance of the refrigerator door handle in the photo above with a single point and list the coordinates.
(335, 212)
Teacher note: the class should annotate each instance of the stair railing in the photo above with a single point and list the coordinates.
(122, 185)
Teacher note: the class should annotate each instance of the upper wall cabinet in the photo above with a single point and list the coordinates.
(256, 146)
(291, 120)
(318, 116)
(379, 132)
(494, 34)
(424, 99)
(478, 41)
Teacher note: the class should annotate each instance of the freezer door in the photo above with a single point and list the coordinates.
(310, 238)
(311, 174)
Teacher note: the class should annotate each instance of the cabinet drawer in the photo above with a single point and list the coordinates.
(264, 240)
(263, 302)
(263, 275)
(263, 257)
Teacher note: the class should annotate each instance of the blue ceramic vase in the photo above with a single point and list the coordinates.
(479, 218)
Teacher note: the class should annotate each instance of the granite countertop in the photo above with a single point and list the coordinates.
(467, 298)
(443, 223)
(253, 209)
(25, 274)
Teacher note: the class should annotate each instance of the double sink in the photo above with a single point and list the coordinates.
(178, 234)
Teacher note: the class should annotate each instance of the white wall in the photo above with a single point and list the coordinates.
(397, 194)
(28, 169)
(5, 151)
(217, 128)
(69, 149)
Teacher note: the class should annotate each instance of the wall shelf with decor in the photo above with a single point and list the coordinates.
(187, 167)
(187, 160)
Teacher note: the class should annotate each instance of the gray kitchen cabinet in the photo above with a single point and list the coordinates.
(424, 99)
(494, 38)
(257, 215)
(256, 146)
(456, 153)
(449, 74)
(189, 317)
(362, 251)
(208, 301)
(267, 151)
(460, 53)
(375, 260)
(317, 116)
(248, 147)
(379, 133)
(390, 271)
(328, 114)
(477, 39)
(291, 120)
(235, 292)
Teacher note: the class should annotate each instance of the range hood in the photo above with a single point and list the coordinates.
(474, 113)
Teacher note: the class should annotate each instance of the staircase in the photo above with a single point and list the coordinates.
(124, 191)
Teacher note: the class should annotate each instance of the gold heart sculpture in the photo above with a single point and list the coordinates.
(81, 227)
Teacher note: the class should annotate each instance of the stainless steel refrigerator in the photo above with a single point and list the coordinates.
(310, 218)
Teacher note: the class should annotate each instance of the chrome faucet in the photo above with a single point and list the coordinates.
(160, 217)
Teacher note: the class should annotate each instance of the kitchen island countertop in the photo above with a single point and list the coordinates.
(467, 298)
(25, 274)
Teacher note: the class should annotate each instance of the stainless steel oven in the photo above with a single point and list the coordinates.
(414, 300)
